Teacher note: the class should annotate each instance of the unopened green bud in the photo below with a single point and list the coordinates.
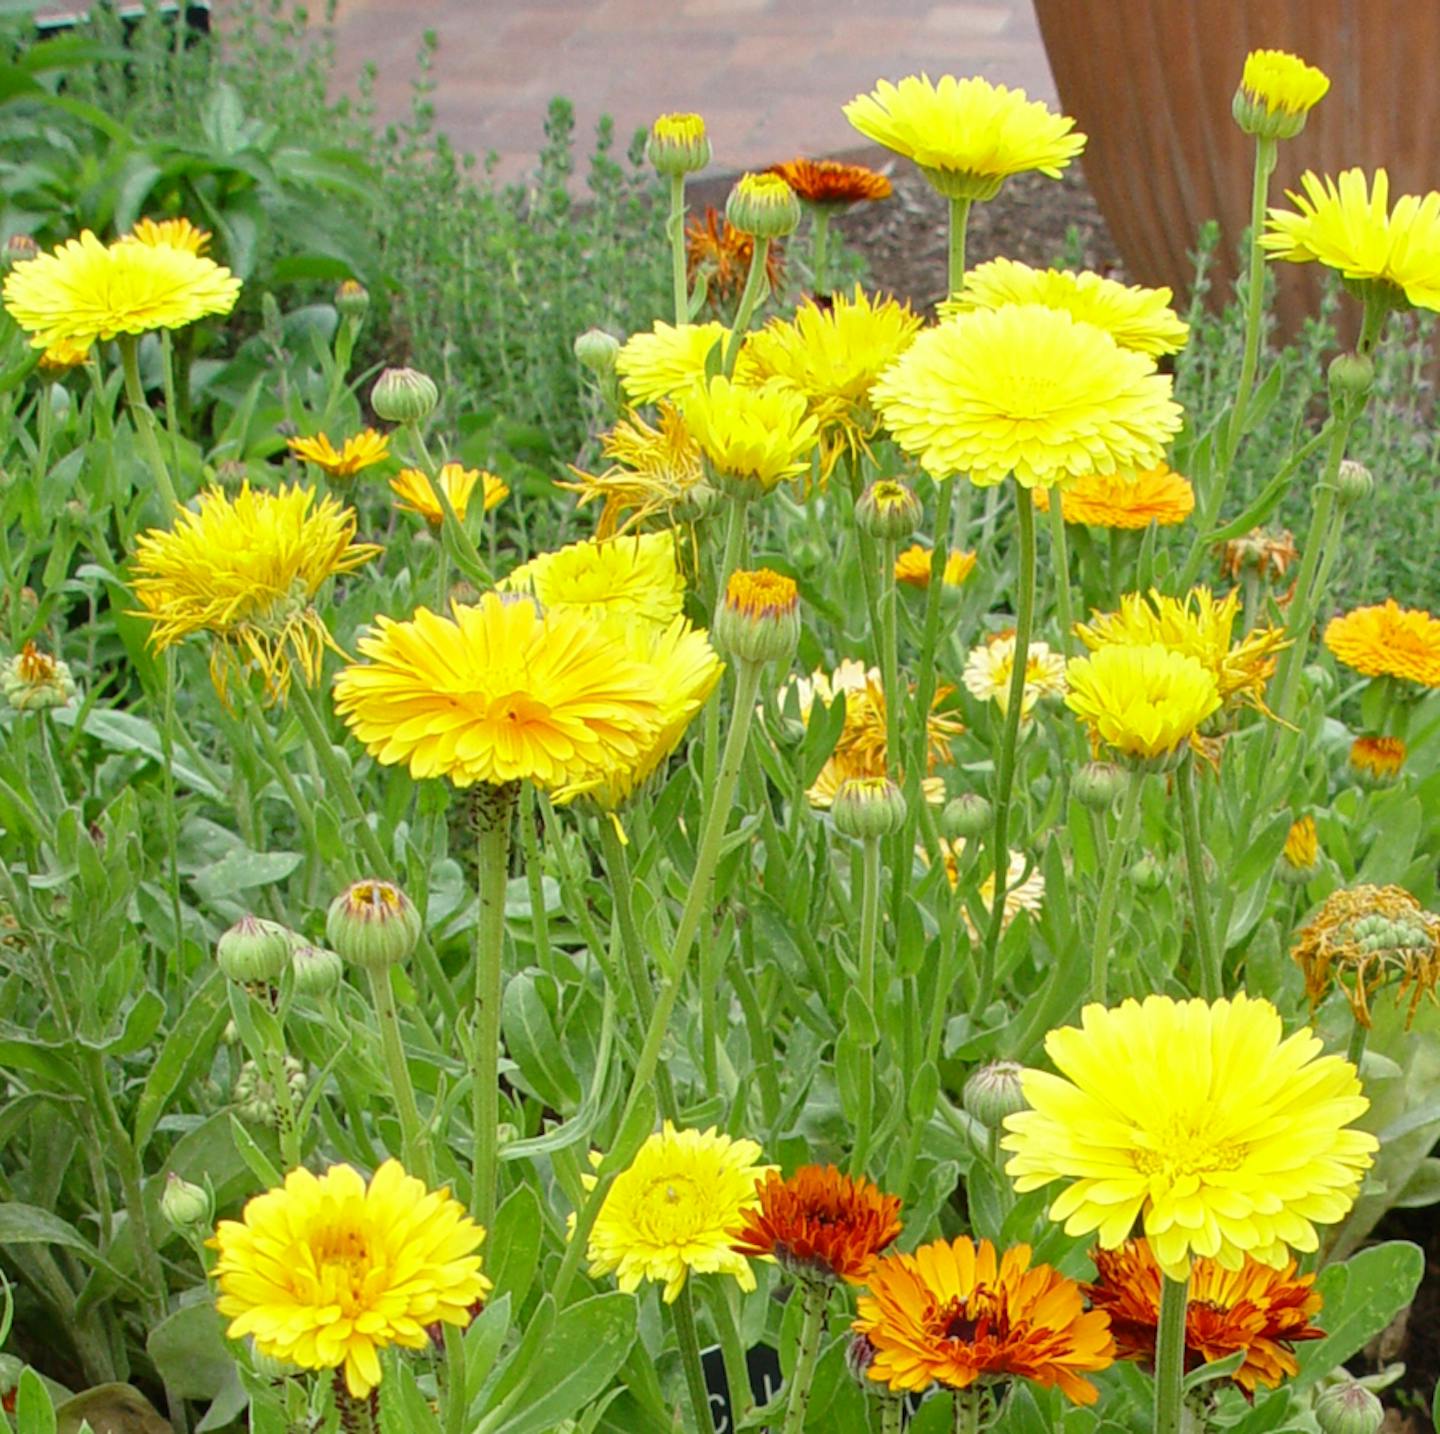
(253, 950)
(888, 509)
(352, 299)
(186, 1206)
(966, 816)
(993, 1092)
(316, 971)
(1351, 376)
(1348, 1408)
(404, 395)
(758, 619)
(698, 502)
(597, 351)
(1354, 482)
(373, 924)
(763, 205)
(678, 145)
(868, 808)
(1097, 784)
(1147, 873)
(268, 1367)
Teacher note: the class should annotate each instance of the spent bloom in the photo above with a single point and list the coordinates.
(498, 692)
(1135, 317)
(636, 576)
(1124, 500)
(34, 681)
(1029, 391)
(668, 361)
(415, 493)
(1269, 554)
(912, 567)
(819, 1224)
(84, 290)
(715, 248)
(1145, 702)
(671, 1213)
(1241, 1148)
(827, 183)
(1388, 640)
(991, 666)
(326, 1271)
(967, 136)
(1254, 1308)
(1277, 90)
(953, 1314)
(754, 437)
(358, 452)
(247, 569)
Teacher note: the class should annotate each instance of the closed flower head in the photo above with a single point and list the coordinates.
(1277, 90)
(498, 693)
(678, 145)
(1377, 760)
(1028, 391)
(758, 619)
(416, 493)
(247, 569)
(1388, 640)
(671, 1213)
(1124, 500)
(1144, 702)
(1239, 1148)
(636, 577)
(763, 205)
(953, 1314)
(669, 361)
(326, 1271)
(966, 135)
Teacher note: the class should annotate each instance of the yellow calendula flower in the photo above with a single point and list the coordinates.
(499, 692)
(832, 355)
(1024, 890)
(1241, 1148)
(636, 577)
(1348, 226)
(991, 665)
(966, 135)
(1388, 640)
(1277, 90)
(912, 567)
(416, 493)
(1124, 500)
(65, 354)
(1136, 318)
(1145, 702)
(177, 233)
(1200, 626)
(684, 669)
(247, 570)
(672, 1212)
(326, 1271)
(358, 452)
(669, 361)
(1028, 391)
(654, 470)
(85, 290)
(755, 438)
(1302, 844)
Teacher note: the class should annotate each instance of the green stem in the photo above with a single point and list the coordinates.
(1170, 1355)
(721, 1294)
(1061, 558)
(457, 1394)
(687, 1338)
(889, 656)
(1211, 976)
(496, 815)
(534, 881)
(819, 249)
(755, 281)
(967, 1411)
(1265, 150)
(1355, 1049)
(959, 223)
(145, 422)
(357, 1416)
(892, 1408)
(414, 1140)
(467, 555)
(869, 937)
(1110, 885)
(675, 229)
(1005, 768)
(806, 1356)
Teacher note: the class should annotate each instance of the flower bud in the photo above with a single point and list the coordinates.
(758, 619)
(859, 1356)
(763, 205)
(868, 808)
(404, 395)
(253, 950)
(1377, 761)
(1348, 1408)
(1277, 90)
(316, 971)
(697, 502)
(597, 351)
(1300, 859)
(1354, 481)
(19, 249)
(373, 924)
(678, 145)
(33, 681)
(1147, 873)
(993, 1092)
(186, 1206)
(1097, 784)
(888, 509)
(966, 816)
(1320, 680)
(1350, 377)
(352, 299)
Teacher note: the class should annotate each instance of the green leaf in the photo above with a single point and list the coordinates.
(190, 1352)
(22, 1224)
(261, 1166)
(586, 1346)
(242, 870)
(483, 1340)
(405, 1410)
(1217, 1369)
(860, 1024)
(142, 1020)
(1423, 1186)
(531, 1040)
(513, 1245)
(188, 1049)
(125, 733)
(33, 1409)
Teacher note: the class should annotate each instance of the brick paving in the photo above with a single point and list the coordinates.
(768, 75)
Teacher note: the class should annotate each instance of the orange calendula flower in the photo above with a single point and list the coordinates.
(1388, 641)
(1124, 500)
(416, 493)
(953, 1314)
(717, 248)
(361, 451)
(819, 1224)
(1377, 759)
(829, 182)
(913, 567)
(1259, 1310)
(1362, 939)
